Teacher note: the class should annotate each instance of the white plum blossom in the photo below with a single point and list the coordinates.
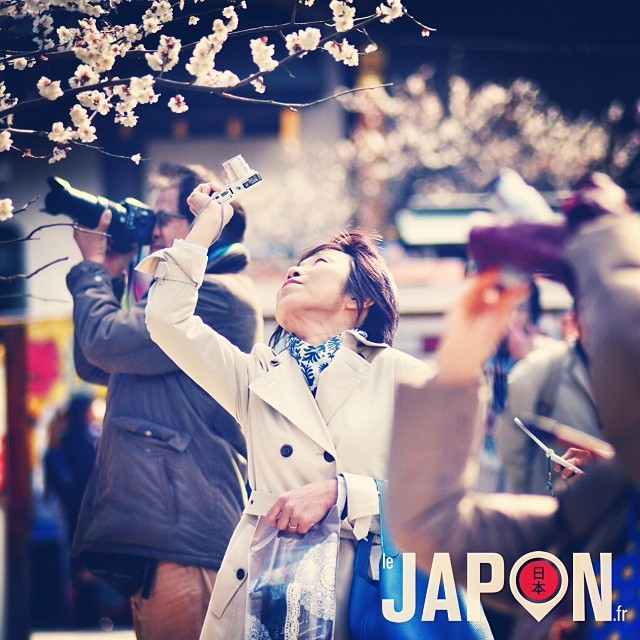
(6, 101)
(203, 59)
(258, 84)
(5, 141)
(132, 33)
(151, 24)
(303, 40)
(20, 64)
(49, 89)
(79, 115)
(392, 10)
(126, 119)
(177, 104)
(43, 24)
(6, 209)
(97, 33)
(136, 158)
(66, 36)
(82, 76)
(262, 54)
(59, 153)
(343, 15)
(141, 89)
(219, 79)
(156, 16)
(94, 47)
(163, 10)
(87, 132)
(96, 101)
(60, 134)
(310, 38)
(230, 14)
(166, 56)
(343, 52)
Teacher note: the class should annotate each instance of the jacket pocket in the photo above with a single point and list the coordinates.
(234, 570)
(137, 483)
(155, 437)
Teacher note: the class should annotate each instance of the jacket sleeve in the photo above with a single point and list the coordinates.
(85, 370)
(433, 467)
(605, 255)
(112, 339)
(218, 366)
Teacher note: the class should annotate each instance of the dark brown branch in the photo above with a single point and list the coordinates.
(188, 86)
(302, 105)
(48, 226)
(424, 26)
(33, 297)
(24, 276)
(24, 207)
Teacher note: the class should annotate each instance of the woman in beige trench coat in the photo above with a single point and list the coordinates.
(307, 434)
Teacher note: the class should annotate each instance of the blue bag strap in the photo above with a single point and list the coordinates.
(388, 547)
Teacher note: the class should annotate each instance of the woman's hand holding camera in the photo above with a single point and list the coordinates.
(211, 217)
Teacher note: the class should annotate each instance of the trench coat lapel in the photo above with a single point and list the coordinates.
(347, 370)
(296, 403)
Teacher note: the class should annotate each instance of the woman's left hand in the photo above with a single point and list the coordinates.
(299, 509)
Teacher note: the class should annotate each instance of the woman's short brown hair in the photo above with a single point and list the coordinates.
(369, 279)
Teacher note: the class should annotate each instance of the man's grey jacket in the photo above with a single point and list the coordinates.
(168, 481)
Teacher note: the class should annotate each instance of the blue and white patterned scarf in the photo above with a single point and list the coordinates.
(314, 360)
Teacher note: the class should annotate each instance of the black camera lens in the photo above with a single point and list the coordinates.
(83, 207)
(132, 221)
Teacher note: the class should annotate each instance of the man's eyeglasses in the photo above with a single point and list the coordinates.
(164, 217)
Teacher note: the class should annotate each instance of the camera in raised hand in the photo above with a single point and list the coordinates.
(240, 178)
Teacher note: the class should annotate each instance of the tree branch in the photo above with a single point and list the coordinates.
(24, 276)
(188, 86)
(302, 105)
(30, 235)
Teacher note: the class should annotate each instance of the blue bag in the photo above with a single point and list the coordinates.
(366, 621)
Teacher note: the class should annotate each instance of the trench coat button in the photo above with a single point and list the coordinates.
(240, 574)
(286, 450)
(328, 457)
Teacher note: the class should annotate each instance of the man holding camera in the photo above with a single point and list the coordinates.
(168, 485)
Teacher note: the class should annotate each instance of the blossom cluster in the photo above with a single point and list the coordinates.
(93, 32)
(460, 142)
(6, 209)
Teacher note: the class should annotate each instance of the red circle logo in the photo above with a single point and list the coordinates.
(538, 580)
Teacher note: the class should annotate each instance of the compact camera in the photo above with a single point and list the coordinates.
(240, 177)
(133, 221)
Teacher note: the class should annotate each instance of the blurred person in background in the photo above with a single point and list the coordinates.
(551, 382)
(68, 462)
(70, 456)
(521, 336)
(433, 506)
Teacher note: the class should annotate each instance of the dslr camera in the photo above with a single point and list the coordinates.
(133, 221)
